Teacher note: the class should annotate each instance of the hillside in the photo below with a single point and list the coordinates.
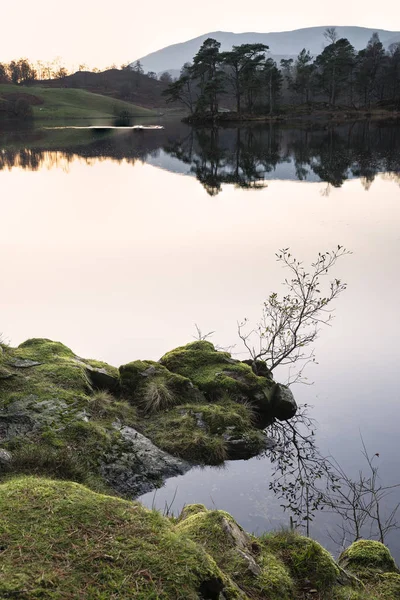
(285, 43)
(61, 103)
(122, 84)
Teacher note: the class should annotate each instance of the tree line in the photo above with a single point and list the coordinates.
(249, 81)
(22, 71)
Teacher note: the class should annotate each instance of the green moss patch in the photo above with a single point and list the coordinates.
(153, 388)
(304, 557)
(60, 540)
(366, 558)
(204, 433)
(260, 574)
(217, 373)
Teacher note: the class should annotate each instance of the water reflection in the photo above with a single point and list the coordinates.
(246, 157)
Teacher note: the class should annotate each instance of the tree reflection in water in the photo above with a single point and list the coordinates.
(246, 157)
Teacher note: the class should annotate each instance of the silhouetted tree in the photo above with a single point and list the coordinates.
(241, 63)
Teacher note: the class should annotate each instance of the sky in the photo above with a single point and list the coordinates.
(100, 33)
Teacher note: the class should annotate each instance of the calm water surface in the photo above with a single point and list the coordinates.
(118, 242)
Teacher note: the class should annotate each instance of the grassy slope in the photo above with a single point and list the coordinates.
(73, 103)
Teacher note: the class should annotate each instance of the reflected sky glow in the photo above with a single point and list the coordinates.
(118, 261)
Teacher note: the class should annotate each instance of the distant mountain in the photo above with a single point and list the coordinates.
(281, 44)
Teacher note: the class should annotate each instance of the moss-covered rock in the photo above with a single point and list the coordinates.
(153, 388)
(56, 422)
(207, 433)
(260, 574)
(367, 558)
(217, 374)
(197, 404)
(305, 558)
(60, 540)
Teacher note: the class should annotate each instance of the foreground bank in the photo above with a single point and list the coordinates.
(61, 540)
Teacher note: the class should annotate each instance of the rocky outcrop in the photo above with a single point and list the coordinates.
(217, 374)
(132, 427)
(134, 465)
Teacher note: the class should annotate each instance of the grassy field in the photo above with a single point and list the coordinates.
(60, 103)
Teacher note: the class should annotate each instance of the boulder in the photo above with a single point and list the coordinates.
(284, 405)
(218, 375)
(258, 573)
(134, 465)
(365, 557)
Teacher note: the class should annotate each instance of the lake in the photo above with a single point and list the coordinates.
(117, 242)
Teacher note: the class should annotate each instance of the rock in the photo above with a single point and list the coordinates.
(258, 367)
(241, 556)
(5, 457)
(5, 373)
(217, 374)
(284, 405)
(103, 379)
(136, 466)
(23, 364)
(365, 556)
(242, 446)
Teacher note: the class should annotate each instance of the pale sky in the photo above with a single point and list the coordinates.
(100, 33)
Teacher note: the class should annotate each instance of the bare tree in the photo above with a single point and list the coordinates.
(291, 323)
(361, 503)
(331, 35)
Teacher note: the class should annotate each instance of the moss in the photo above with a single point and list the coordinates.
(104, 407)
(259, 574)
(56, 425)
(389, 586)
(198, 432)
(366, 558)
(151, 387)
(42, 349)
(304, 557)
(384, 586)
(191, 509)
(98, 364)
(216, 373)
(60, 540)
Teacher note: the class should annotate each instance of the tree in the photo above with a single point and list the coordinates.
(180, 91)
(62, 73)
(303, 75)
(370, 64)
(291, 323)
(334, 65)
(330, 34)
(166, 77)
(360, 502)
(151, 75)
(138, 68)
(242, 62)
(205, 70)
(21, 71)
(4, 77)
(273, 78)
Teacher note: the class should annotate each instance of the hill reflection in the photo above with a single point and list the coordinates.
(246, 157)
